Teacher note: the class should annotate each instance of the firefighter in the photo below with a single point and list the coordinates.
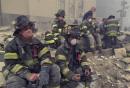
(27, 60)
(59, 25)
(87, 31)
(96, 34)
(111, 32)
(72, 62)
(89, 13)
(59, 22)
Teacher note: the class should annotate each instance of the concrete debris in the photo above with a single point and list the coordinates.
(120, 52)
(126, 60)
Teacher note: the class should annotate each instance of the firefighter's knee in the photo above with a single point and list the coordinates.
(55, 74)
(15, 82)
(44, 75)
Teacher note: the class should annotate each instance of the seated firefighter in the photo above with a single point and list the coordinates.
(27, 60)
(72, 62)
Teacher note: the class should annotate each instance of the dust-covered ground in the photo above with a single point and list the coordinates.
(108, 72)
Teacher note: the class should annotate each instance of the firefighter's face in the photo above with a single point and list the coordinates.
(27, 34)
(61, 18)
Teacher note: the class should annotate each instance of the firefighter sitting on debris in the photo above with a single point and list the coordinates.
(72, 62)
(28, 60)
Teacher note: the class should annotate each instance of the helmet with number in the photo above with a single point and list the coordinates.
(60, 13)
(22, 22)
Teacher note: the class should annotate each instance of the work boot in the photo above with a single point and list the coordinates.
(99, 48)
(93, 50)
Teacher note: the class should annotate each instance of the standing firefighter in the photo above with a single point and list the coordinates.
(59, 25)
(89, 13)
(87, 31)
(111, 32)
(28, 61)
(72, 62)
(96, 34)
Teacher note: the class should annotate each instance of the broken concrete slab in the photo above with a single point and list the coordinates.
(120, 52)
(126, 60)
(127, 46)
(127, 69)
(126, 77)
(120, 65)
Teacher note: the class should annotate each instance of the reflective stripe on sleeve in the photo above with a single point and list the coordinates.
(17, 68)
(10, 56)
(43, 52)
(61, 57)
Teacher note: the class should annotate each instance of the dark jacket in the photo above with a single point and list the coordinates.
(69, 59)
(22, 58)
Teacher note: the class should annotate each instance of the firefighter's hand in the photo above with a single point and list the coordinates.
(76, 77)
(87, 72)
(32, 76)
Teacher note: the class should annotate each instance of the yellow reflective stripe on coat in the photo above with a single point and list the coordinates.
(85, 63)
(66, 71)
(48, 34)
(55, 34)
(17, 68)
(60, 30)
(83, 54)
(50, 41)
(111, 25)
(55, 38)
(61, 57)
(112, 34)
(43, 52)
(2, 52)
(56, 87)
(54, 25)
(11, 56)
(30, 62)
(46, 61)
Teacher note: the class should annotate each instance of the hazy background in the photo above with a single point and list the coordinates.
(108, 7)
(42, 11)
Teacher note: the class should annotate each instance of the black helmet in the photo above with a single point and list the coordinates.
(47, 32)
(60, 13)
(111, 17)
(74, 32)
(21, 22)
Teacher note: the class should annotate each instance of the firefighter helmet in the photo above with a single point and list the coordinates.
(60, 13)
(21, 22)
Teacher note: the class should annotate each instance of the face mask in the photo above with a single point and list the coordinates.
(73, 41)
(89, 20)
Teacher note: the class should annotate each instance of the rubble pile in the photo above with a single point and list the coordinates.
(110, 71)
